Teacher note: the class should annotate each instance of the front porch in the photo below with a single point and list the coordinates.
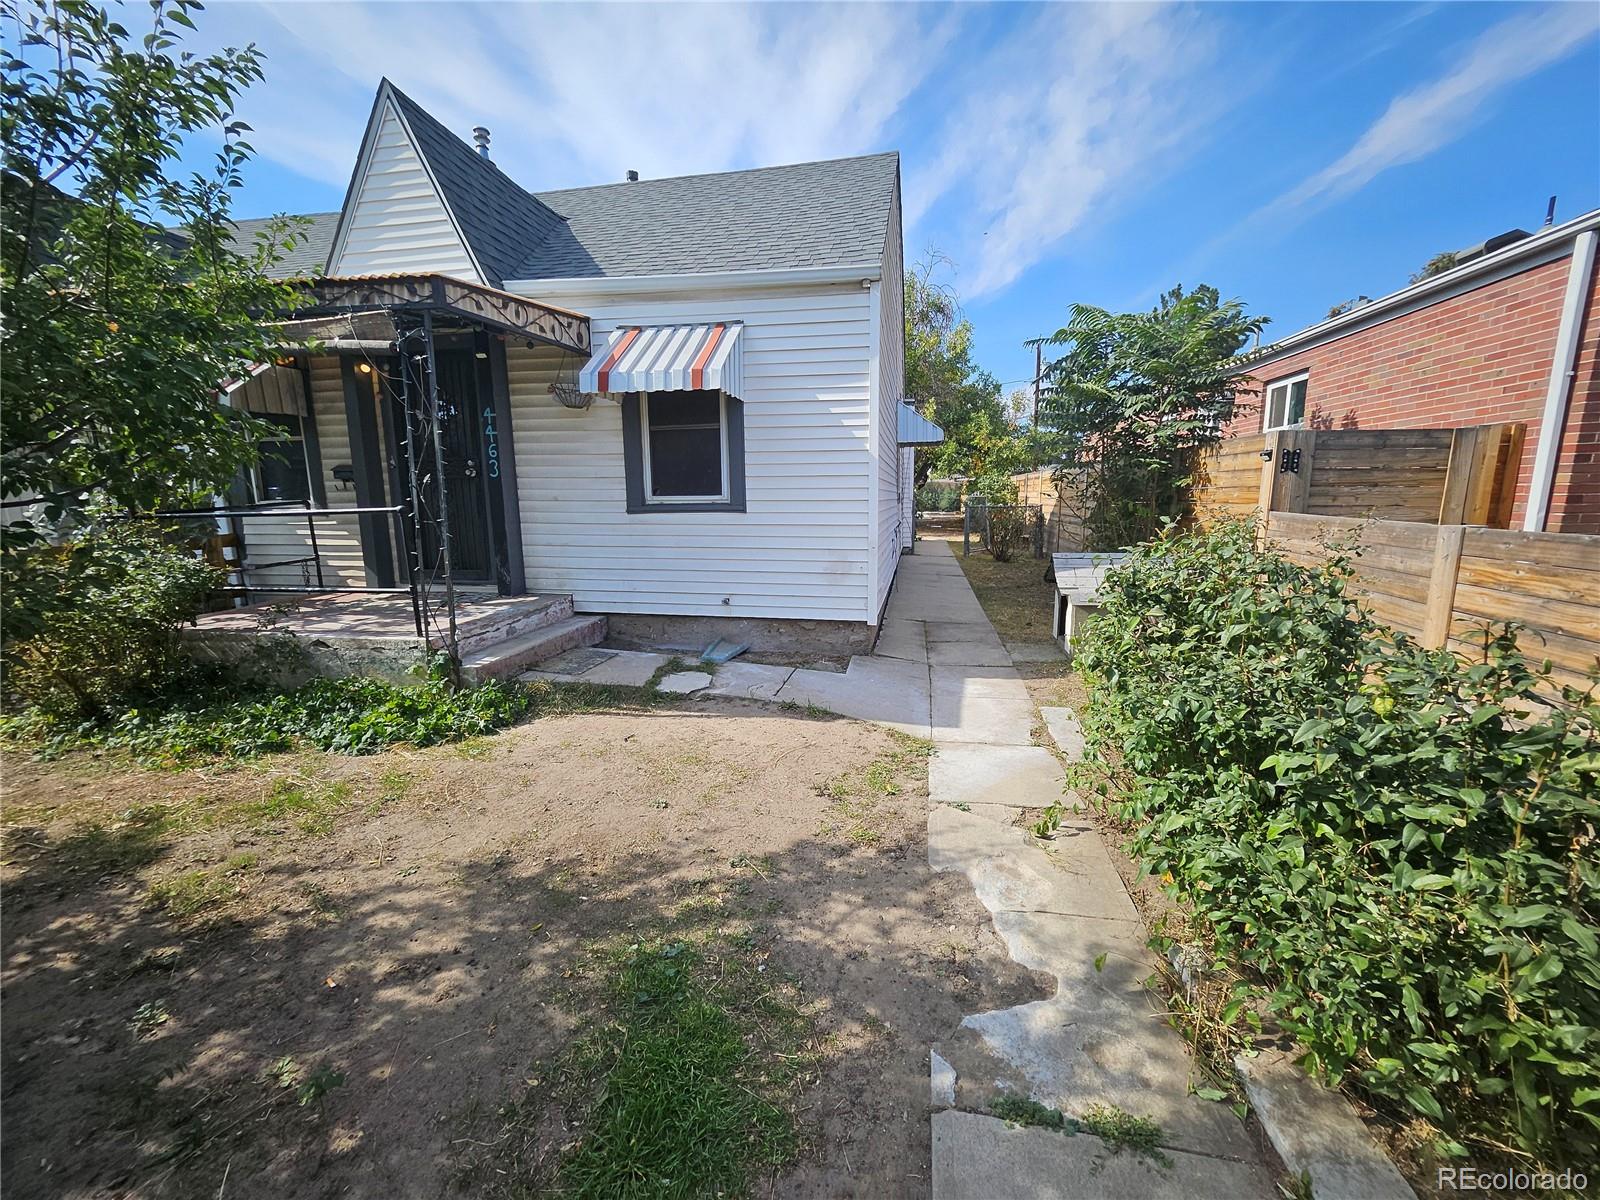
(334, 634)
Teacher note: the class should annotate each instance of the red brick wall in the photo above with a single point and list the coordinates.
(1474, 359)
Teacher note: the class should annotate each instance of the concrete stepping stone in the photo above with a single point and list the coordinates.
(684, 682)
(1315, 1131)
(1065, 731)
(978, 1157)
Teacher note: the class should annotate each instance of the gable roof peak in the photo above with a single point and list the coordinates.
(498, 218)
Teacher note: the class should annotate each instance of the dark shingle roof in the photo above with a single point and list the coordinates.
(312, 241)
(815, 214)
(499, 219)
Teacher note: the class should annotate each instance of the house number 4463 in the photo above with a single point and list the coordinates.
(491, 437)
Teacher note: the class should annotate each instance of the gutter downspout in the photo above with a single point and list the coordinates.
(1554, 417)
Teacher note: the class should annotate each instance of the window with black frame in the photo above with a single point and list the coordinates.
(281, 472)
(685, 447)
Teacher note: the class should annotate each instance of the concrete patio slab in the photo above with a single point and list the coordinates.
(1035, 652)
(627, 668)
(749, 681)
(888, 691)
(989, 719)
(1011, 874)
(904, 639)
(1101, 1039)
(976, 654)
(1016, 776)
(982, 1158)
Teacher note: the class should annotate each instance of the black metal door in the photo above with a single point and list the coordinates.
(459, 403)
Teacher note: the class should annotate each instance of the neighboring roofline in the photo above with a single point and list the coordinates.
(699, 281)
(810, 162)
(363, 160)
(1547, 245)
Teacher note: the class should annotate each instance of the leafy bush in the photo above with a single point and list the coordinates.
(1008, 530)
(993, 489)
(933, 497)
(93, 624)
(1400, 842)
(218, 718)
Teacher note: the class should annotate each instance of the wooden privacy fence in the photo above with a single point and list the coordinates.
(1462, 476)
(1059, 507)
(1443, 582)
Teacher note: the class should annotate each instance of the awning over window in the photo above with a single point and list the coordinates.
(269, 388)
(668, 358)
(916, 429)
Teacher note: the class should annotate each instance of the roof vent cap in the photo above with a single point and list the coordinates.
(633, 177)
(480, 139)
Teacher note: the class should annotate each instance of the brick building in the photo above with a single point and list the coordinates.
(1512, 333)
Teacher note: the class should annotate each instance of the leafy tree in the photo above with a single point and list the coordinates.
(126, 303)
(944, 382)
(1135, 397)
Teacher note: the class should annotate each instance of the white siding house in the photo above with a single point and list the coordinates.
(791, 276)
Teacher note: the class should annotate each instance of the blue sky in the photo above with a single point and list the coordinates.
(1293, 155)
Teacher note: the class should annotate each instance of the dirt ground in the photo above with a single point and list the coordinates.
(187, 952)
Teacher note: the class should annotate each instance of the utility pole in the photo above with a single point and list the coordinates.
(1038, 374)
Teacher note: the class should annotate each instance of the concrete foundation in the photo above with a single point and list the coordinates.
(644, 632)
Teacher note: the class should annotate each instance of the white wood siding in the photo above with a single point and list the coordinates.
(894, 532)
(338, 538)
(397, 219)
(802, 548)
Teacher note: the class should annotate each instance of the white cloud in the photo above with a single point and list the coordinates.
(1424, 119)
(1077, 105)
(577, 94)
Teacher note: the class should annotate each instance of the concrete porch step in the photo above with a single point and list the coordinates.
(490, 624)
(512, 656)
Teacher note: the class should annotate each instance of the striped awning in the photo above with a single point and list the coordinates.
(667, 358)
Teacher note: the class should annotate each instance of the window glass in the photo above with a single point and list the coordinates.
(684, 450)
(281, 472)
(1297, 402)
(1286, 403)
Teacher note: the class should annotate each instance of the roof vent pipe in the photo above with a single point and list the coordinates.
(480, 139)
(633, 177)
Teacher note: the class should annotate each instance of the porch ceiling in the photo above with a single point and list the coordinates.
(331, 303)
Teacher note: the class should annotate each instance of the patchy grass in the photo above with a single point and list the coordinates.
(1015, 595)
(857, 810)
(310, 807)
(687, 1087)
(199, 892)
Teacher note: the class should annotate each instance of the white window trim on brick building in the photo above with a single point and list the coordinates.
(1273, 411)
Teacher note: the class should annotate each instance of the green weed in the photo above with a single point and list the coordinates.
(684, 1089)
(1123, 1131)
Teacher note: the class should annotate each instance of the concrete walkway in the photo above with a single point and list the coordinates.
(941, 671)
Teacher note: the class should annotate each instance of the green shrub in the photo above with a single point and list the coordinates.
(1008, 531)
(932, 497)
(93, 625)
(1400, 842)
